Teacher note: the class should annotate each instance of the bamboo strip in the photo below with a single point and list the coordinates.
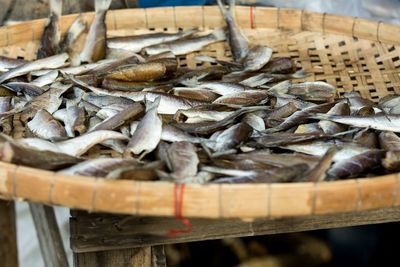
(208, 201)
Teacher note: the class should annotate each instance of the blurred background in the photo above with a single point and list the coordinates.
(371, 245)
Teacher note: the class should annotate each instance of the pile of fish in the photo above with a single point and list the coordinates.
(239, 121)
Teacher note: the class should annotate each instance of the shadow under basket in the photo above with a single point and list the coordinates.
(349, 53)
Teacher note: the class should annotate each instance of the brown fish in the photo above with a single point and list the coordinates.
(51, 34)
(95, 45)
(182, 161)
(17, 154)
(356, 165)
(44, 126)
(318, 173)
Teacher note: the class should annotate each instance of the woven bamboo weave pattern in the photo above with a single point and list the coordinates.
(350, 53)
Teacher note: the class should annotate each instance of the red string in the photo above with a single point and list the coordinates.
(178, 203)
(252, 17)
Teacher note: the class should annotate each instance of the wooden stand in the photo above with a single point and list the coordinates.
(107, 240)
(8, 237)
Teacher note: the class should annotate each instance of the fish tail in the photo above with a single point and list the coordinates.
(77, 27)
(219, 34)
(225, 12)
(299, 74)
(101, 5)
(55, 7)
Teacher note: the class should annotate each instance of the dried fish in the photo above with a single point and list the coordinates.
(318, 173)
(75, 121)
(131, 112)
(137, 42)
(27, 89)
(185, 46)
(211, 127)
(389, 141)
(280, 139)
(245, 98)
(273, 175)
(383, 122)
(276, 116)
(100, 167)
(256, 58)
(95, 45)
(15, 153)
(75, 30)
(76, 146)
(313, 91)
(195, 93)
(182, 160)
(237, 40)
(51, 34)
(52, 62)
(7, 63)
(44, 126)
(356, 165)
(144, 72)
(232, 137)
(148, 134)
(329, 127)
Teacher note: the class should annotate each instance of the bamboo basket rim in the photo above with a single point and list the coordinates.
(245, 201)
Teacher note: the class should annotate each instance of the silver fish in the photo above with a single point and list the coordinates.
(51, 34)
(131, 112)
(356, 165)
(185, 46)
(329, 127)
(249, 97)
(44, 126)
(95, 45)
(232, 137)
(27, 89)
(237, 40)
(75, 30)
(46, 79)
(256, 58)
(319, 148)
(52, 62)
(182, 160)
(12, 152)
(383, 122)
(148, 134)
(7, 63)
(172, 134)
(76, 146)
(49, 100)
(223, 88)
(138, 42)
(75, 123)
(100, 167)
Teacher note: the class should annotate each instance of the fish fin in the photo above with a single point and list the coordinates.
(77, 27)
(219, 34)
(55, 7)
(223, 9)
(101, 5)
(232, 4)
(300, 74)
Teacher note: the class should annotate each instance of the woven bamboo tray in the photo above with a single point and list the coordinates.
(350, 53)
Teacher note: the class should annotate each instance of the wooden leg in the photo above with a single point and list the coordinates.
(158, 258)
(135, 257)
(8, 235)
(50, 241)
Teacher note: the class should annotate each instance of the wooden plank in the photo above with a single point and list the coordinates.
(50, 242)
(136, 257)
(95, 232)
(8, 235)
